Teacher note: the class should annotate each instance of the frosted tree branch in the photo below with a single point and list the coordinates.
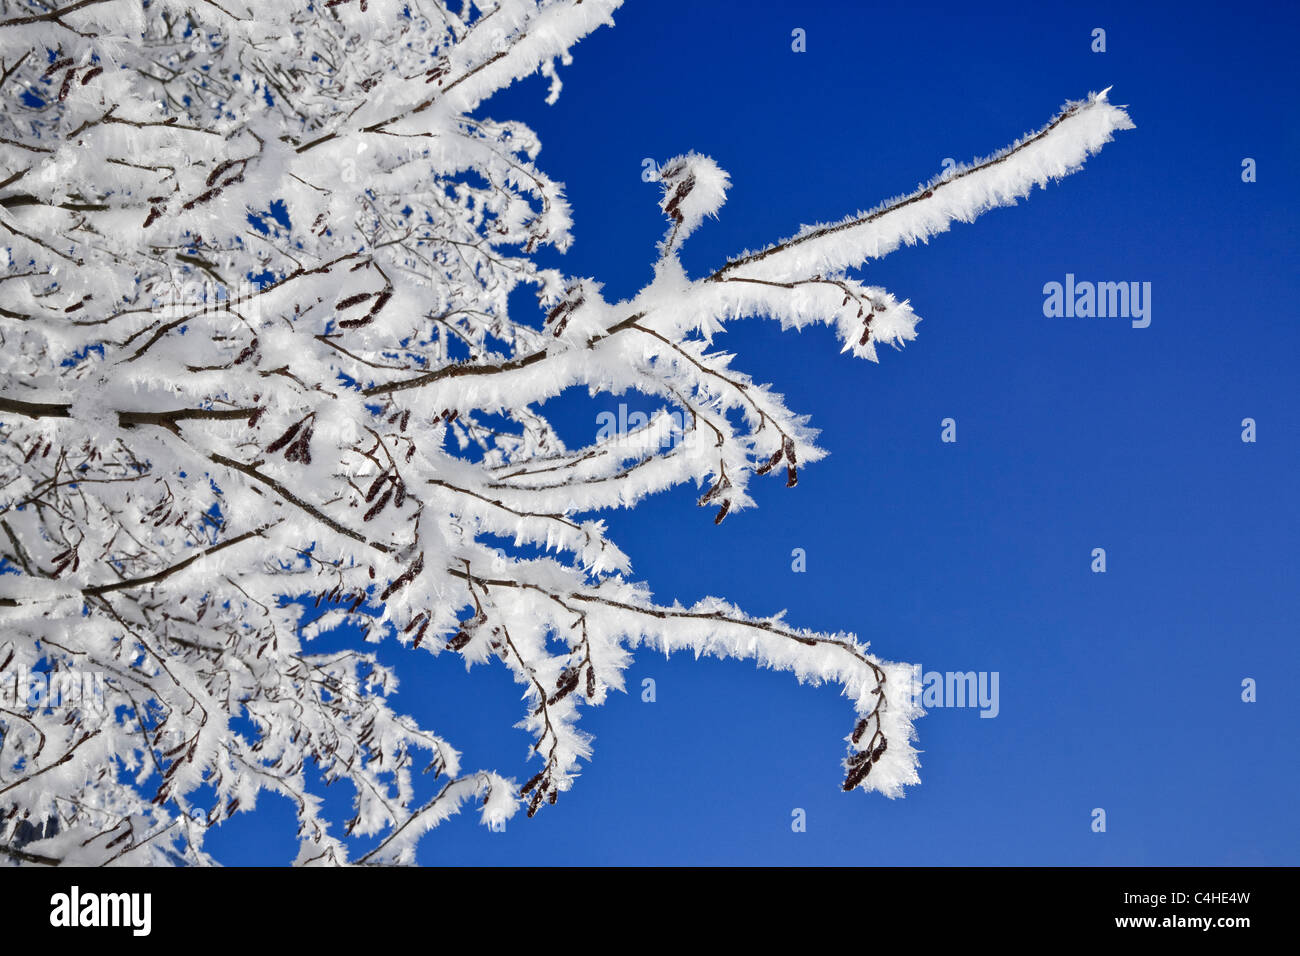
(260, 381)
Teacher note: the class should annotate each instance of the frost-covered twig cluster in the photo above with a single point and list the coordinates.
(259, 380)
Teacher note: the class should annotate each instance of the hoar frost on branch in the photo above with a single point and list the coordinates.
(353, 418)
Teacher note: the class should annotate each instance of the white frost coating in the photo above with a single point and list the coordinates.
(364, 428)
(961, 194)
(694, 186)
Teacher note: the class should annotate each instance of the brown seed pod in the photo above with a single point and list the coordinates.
(357, 323)
(859, 729)
(300, 450)
(378, 506)
(857, 775)
(771, 463)
(375, 485)
(406, 578)
(567, 684)
(56, 66)
(866, 332)
(352, 300)
(284, 439)
(532, 782)
(718, 488)
(673, 207)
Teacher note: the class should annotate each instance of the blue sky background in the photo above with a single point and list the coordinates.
(1119, 690)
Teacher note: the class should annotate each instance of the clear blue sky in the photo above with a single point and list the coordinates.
(1119, 690)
